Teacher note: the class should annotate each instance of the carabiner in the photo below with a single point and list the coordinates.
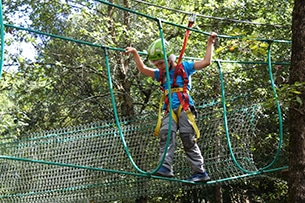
(192, 17)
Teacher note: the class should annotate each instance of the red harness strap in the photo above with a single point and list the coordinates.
(187, 33)
(183, 95)
(179, 71)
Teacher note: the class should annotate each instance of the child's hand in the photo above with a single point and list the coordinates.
(130, 50)
(212, 38)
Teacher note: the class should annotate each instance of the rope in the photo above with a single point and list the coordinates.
(177, 25)
(169, 97)
(279, 117)
(212, 17)
(186, 36)
(116, 114)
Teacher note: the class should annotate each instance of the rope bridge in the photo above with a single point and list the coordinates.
(115, 159)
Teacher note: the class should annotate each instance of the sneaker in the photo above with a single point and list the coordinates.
(164, 172)
(199, 177)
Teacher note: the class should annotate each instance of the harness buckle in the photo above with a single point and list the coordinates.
(194, 111)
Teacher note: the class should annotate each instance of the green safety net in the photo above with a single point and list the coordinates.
(114, 159)
(89, 162)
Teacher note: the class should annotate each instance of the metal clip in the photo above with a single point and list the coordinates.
(192, 17)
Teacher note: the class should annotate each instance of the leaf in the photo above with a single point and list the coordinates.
(299, 100)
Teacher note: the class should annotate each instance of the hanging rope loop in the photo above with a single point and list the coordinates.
(191, 19)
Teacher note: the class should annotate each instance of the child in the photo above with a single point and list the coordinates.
(182, 103)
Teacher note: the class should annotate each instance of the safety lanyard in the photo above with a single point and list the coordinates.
(179, 71)
(192, 19)
(179, 68)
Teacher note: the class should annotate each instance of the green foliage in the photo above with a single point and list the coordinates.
(8, 112)
(67, 83)
(291, 93)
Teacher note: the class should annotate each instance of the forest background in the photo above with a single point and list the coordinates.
(59, 84)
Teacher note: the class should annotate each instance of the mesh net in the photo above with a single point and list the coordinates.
(88, 162)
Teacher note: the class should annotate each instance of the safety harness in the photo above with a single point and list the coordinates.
(182, 92)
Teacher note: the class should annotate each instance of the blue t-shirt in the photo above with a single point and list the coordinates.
(189, 70)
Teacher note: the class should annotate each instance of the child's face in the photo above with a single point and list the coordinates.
(160, 65)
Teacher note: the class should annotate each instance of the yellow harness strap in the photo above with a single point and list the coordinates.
(176, 116)
(178, 89)
(158, 126)
(193, 123)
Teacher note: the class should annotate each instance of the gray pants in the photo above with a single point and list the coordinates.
(187, 136)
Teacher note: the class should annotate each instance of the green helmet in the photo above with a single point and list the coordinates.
(155, 50)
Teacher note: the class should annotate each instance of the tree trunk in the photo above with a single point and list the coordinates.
(297, 107)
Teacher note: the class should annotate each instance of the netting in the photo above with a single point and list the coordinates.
(111, 160)
(89, 163)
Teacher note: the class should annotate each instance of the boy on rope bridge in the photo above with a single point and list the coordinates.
(183, 111)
